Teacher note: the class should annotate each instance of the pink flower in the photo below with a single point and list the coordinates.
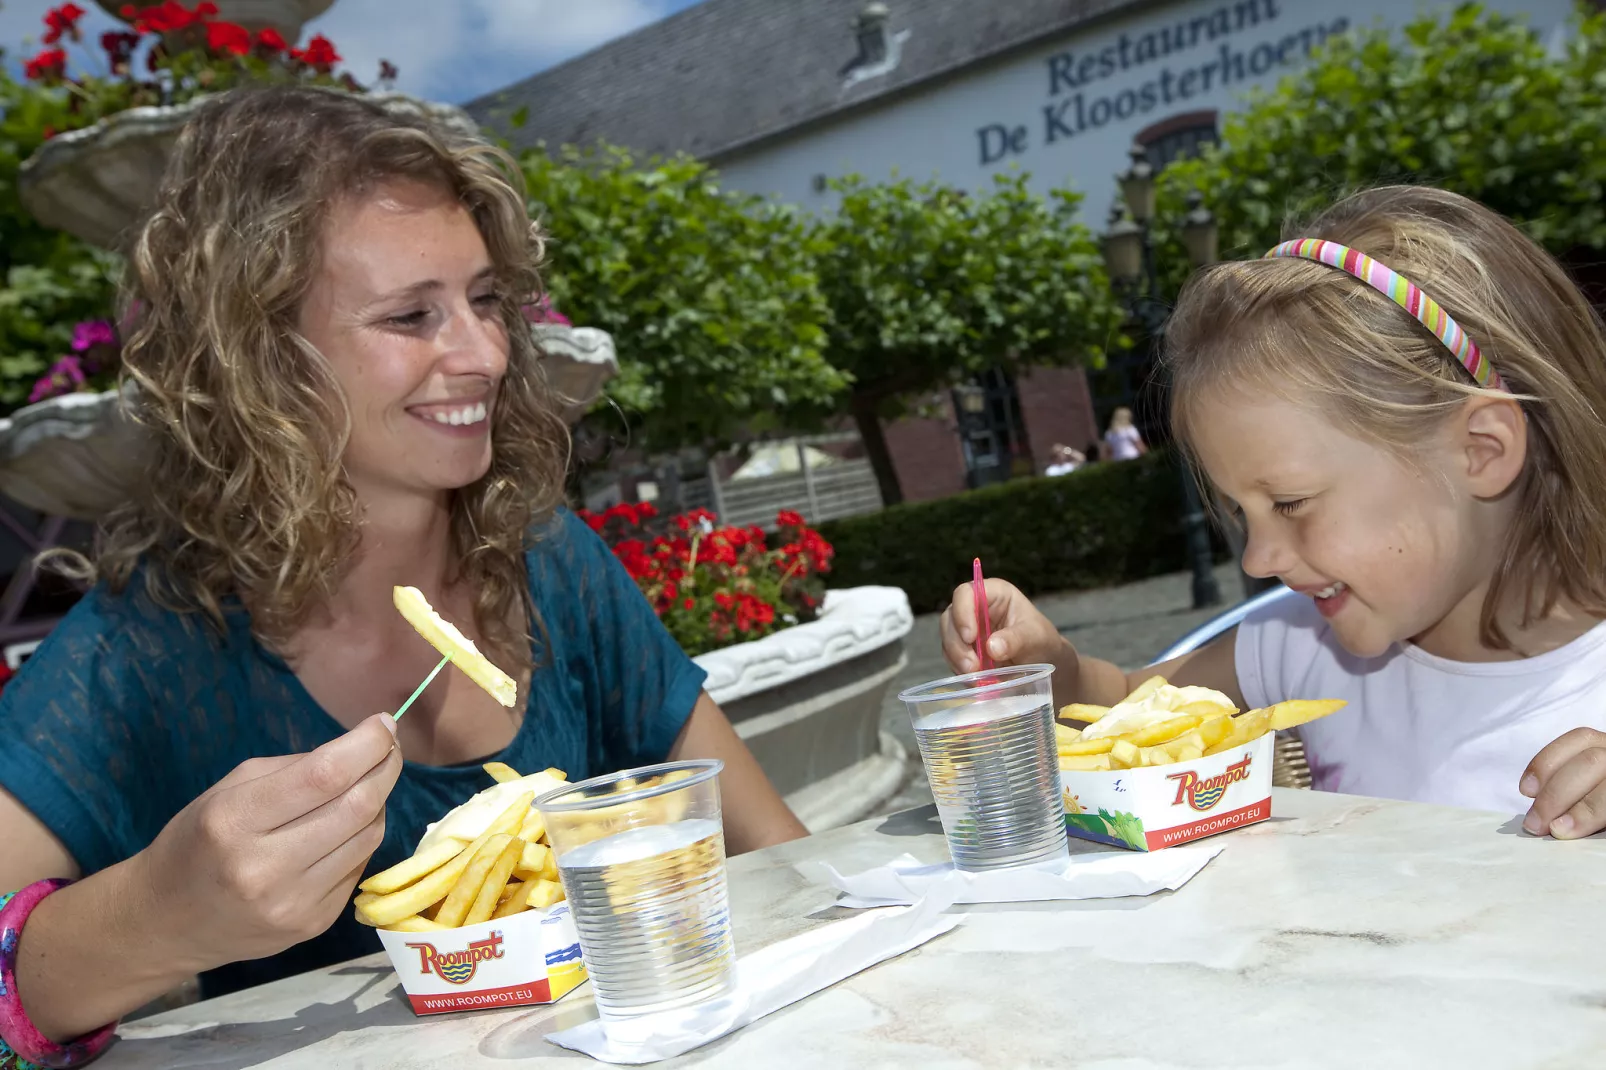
(542, 312)
(91, 333)
(64, 377)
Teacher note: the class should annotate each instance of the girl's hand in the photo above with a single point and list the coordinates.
(1567, 782)
(268, 857)
(1021, 634)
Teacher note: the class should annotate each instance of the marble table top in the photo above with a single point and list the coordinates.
(1344, 932)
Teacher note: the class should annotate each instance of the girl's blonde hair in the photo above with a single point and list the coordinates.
(246, 495)
(1317, 336)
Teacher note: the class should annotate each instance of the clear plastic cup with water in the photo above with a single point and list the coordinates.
(641, 854)
(987, 741)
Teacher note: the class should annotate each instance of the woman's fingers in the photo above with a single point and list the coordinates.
(318, 778)
(324, 830)
(341, 869)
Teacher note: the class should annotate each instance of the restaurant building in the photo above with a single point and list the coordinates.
(781, 96)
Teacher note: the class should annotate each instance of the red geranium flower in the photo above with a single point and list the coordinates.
(119, 46)
(228, 37)
(47, 66)
(62, 22)
(271, 41)
(320, 52)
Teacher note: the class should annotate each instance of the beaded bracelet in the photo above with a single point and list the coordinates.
(22, 1046)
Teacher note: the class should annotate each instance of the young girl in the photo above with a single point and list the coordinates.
(1414, 444)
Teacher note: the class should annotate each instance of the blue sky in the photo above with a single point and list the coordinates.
(451, 50)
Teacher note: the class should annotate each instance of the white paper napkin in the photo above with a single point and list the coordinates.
(1083, 876)
(768, 980)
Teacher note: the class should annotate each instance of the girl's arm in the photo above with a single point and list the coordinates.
(1022, 635)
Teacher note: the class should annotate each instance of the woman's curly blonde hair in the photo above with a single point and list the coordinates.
(246, 495)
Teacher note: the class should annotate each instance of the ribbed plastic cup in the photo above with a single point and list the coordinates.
(987, 741)
(641, 854)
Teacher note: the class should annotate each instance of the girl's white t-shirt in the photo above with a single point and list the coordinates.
(1123, 443)
(1417, 726)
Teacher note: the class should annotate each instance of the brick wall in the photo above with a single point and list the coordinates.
(1056, 406)
(926, 454)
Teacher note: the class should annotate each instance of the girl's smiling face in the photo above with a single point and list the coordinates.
(1389, 550)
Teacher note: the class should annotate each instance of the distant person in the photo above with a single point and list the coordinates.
(1066, 460)
(1123, 442)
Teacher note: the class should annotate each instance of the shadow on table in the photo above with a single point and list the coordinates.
(920, 821)
(241, 1045)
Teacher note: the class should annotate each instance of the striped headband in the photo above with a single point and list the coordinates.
(1403, 292)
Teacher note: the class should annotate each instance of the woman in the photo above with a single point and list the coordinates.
(344, 397)
(1122, 440)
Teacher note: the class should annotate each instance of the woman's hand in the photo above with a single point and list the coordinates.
(1567, 782)
(1021, 634)
(265, 859)
(269, 856)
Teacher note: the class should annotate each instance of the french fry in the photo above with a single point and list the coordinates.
(501, 772)
(1125, 755)
(1087, 746)
(1064, 733)
(1215, 730)
(414, 924)
(533, 826)
(1246, 728)
(406, 872)
(1207, 710)
(1187, 753)
(544, 894)
(467, 889)
(518, 901)
(454, 645)
(490, 893)
(556, 774)
(1081, 711)
(1085, 762)
(532, 862)
(429, 890)
(1294, 713)
(1163, 732)
(532, 895)
(1145, 689)
(510, 891)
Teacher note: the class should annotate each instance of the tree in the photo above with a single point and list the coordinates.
(711, 297)
(929, 285)
(1470, 101)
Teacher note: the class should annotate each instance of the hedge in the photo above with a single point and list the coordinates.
(1098, 526)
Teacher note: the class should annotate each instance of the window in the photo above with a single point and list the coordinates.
(1178, 137)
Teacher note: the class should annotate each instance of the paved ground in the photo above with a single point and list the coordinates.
(1127, 625)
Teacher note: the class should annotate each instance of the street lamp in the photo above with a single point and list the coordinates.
(1129, 259)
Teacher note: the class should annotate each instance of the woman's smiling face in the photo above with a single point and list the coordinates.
(406, 307)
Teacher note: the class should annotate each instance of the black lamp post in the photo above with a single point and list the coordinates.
(1129, 259)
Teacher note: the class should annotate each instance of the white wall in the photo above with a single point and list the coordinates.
(1067, 112)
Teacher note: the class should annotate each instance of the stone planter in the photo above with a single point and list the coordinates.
(807, 701)
(286, 16)
(579, 361)
(100, 182)
(72, 456)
